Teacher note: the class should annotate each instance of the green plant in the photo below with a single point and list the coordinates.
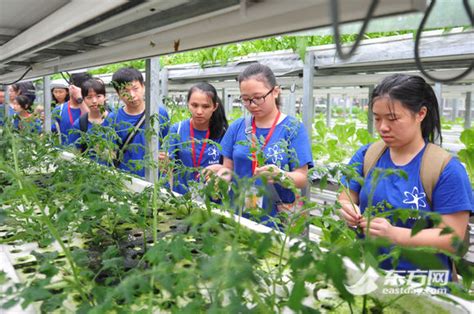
(466, 155)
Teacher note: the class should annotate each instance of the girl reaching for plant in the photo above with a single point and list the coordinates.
(269, 144)
(23, 118)
(192, 143)
(406, 116)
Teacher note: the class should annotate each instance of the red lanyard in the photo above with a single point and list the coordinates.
(267, 139)
(70, 114)
(191, 134)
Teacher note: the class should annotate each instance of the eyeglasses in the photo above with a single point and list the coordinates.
(257, 100)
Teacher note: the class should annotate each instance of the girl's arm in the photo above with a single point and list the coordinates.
(381, 227)
(299, 176)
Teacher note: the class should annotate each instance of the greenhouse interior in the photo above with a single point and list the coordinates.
(236, 156)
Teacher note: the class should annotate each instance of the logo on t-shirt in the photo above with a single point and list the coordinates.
(275, 153)
(212, 152)
(415, 198)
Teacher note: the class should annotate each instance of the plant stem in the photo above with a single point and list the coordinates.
(280, 270)
(364, 304)
(155, 213)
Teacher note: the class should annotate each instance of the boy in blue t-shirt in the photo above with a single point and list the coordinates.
(129, 85)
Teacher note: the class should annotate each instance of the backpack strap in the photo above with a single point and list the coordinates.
(83, 122)
(372, 155)
(433, 162)
(130, 136)
(83, 126)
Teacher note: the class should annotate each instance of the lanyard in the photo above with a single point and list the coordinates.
(267, 139)
(70, 114)
(191, 134)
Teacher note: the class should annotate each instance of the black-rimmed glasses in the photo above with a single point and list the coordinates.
(257, 100)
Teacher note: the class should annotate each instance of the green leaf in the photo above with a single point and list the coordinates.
(34, 293)
(3, 277)
(297, 294)
(419, 225)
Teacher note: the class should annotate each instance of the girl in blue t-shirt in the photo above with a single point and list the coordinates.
(24, 120)
(268, 144)
(406, 116)
(192, 143)
(93, 123)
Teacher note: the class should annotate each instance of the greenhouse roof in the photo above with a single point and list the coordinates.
(48, 36)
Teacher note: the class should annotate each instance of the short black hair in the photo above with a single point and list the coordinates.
(126, 76)
(95, 84)
(77, 79)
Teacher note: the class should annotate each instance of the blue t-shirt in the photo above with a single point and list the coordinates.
(180, 149)
(34, 125)
(60, 114)
(289, 148)
(3, 118)
(134, 154)
(2, 114)
(76, 135)
(451, 194)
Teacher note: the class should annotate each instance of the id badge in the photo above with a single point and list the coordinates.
(252, 199)
(196, 191)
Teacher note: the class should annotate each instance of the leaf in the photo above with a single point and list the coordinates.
(419, 225)
(297, 294)
(53, 303)
(446, 230)
(264, 245)
(33, 293)
(3, 277)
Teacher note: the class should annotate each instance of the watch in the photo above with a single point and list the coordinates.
(79, 100)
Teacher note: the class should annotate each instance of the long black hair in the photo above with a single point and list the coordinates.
(261, 73)
(413, 93)
(24, 102)
(218, 124)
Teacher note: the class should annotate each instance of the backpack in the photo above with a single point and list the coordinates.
(433, 162)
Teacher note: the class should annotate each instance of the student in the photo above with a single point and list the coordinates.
(129, 85)
(21, 88)
(93, 92)
(285, 143)
(2, 106)
(65, 114)
(59, 93)
(23, 119)
(406, 116)
(189, 139)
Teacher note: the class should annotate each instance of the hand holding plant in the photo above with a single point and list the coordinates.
(271, 172)
(351, 213)
(379, 227)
